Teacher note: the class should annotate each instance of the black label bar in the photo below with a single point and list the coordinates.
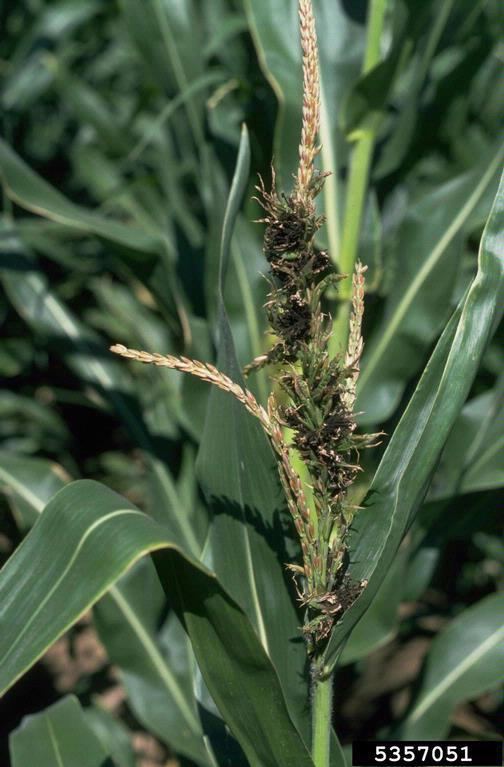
(427, 753)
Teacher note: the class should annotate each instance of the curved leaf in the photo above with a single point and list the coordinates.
(465, 660)
(60, 736)
(406, 467)
(30, 483)
(161, 697)
(114, 735)
(84, 540)
(473, 458)
(158, 686)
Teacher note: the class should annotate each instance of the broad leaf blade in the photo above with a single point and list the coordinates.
(407, 465)
(114, 735)
(59, 736)
(159, 691)
(158, 686)
(30, 483)
(473, 458)
(84, 540)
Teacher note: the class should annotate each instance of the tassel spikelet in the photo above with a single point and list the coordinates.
(320, 389)
(308, 148)
(355, 342)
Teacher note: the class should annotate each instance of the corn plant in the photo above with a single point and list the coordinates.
(248, 539)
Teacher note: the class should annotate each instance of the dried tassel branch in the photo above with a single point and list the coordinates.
(202, 370)
(355, 341)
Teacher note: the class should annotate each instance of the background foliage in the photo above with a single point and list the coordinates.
(121, 127)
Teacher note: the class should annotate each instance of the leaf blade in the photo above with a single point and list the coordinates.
(59, 736)
(84, 540)
(461, 664)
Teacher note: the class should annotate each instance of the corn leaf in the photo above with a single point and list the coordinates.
(158, 686)
(61, 736)
(84, 540)
(465, 660)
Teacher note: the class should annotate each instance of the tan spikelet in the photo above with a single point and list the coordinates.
(202, 370)
(355, 342)
(311, 98)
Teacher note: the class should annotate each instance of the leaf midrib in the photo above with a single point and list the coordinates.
(64, 574)
(155, 658)
(54, 743)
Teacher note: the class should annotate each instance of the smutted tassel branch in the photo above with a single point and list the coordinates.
(320, 390)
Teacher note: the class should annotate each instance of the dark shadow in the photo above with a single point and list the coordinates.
(227, 750)
(277, 533)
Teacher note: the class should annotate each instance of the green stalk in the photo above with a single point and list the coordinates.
(321, 718)
(357, 184)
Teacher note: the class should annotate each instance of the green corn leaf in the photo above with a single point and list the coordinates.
(158, 686)
(60, 736)
(84, 540)
(407, 465)
(114, 736)
(157, 683)
(473, 459)
(465, 660)
(29, 483)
